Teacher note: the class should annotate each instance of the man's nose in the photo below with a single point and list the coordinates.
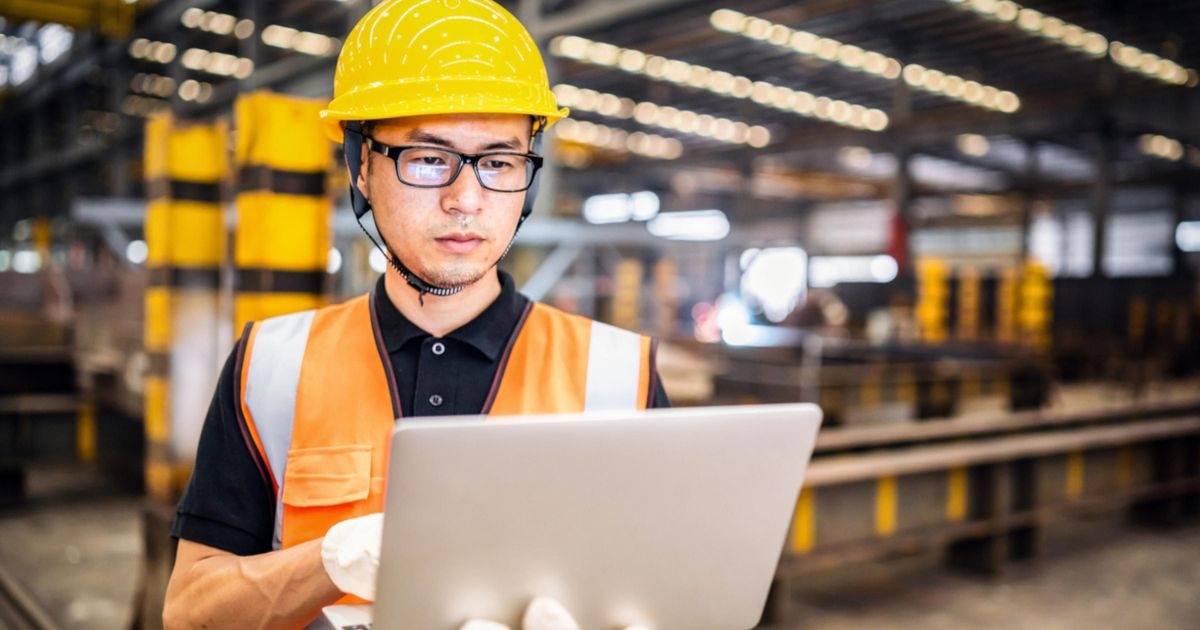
(465, 193)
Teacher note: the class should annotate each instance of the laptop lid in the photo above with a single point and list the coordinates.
(669, 518)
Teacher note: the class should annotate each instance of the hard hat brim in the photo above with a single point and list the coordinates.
(468, 95)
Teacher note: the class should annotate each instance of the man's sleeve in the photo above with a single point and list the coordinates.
(658, 399)
(229, 503)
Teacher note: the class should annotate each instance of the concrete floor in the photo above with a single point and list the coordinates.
(76, 546)
(1095, 574)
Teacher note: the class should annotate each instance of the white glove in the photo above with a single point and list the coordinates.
(543, 613)
(350, 553)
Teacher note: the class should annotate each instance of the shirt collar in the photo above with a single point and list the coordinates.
(488, 332)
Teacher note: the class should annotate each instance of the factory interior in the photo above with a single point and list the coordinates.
(969, 230)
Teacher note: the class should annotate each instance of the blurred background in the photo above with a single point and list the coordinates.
(968, 229)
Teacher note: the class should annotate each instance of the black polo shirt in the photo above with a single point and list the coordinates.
(230, 505)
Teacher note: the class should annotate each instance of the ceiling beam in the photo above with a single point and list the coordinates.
(592, 16)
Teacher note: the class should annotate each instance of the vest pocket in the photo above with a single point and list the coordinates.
(327, 475)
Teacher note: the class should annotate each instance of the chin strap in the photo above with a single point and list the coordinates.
(352, 142)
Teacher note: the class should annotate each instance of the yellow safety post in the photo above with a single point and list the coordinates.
(870, 393)
(281, 247)
(906, 386)
(1035, 306)
(41, 236)
(185, 164)
(970, 384)
(956, 495)
(627, 294)
(665, 276)
(85, 432)
(885, 506)
(1006, 306)
(968, 304)
(1124, 472)
(1074, 487)
(804, 524)
(1138, 310)
(932, 298)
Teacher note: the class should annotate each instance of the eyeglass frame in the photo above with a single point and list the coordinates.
(393, 153)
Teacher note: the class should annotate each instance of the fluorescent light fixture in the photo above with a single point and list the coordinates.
(647, 113)
(733, 319)
(1161, 147)
(855, 158)
(829, 271)
(54, 40)
(619, 140)
(1187, 236)
(377, 260)
(136, 252)
(600, 209)
(643, 205)
(26, 261)
(693, 225)
(719, 82)
(333, 263)
(1076, 37)
(972, 144)
(871, 62)
(620, 207)
(775, 278)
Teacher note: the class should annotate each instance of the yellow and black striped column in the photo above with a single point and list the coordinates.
(933, 297)
(185, 164)
(281, 247)
(627, 294)
(968, 304)
(666, 275)
(1035, 306)
(1006, 306)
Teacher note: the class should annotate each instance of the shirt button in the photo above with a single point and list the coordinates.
(435, 400)
(439, 348)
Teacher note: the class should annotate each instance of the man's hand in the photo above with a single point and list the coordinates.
(350, 554)
(543, 613)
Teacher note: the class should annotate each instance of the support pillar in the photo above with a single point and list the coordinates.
(185, 164)
(1102, 193)
(281, 247)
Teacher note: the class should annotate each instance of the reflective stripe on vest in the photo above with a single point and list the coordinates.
(272, 376)
(611, 384)
(324, 429)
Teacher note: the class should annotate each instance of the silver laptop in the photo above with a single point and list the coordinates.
(673, 519)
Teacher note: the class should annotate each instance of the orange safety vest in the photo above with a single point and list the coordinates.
(320, 401)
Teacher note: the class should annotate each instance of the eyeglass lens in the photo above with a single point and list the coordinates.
(421, 166)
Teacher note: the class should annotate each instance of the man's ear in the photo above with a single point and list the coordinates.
(363, 171)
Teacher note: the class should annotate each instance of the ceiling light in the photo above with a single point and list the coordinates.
(855, 158)
(694, 225)
(718, 82)
(1094, 44)
(244, 29)
(972, 144)
(649, 145)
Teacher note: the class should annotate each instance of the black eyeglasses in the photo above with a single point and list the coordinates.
(434, 167)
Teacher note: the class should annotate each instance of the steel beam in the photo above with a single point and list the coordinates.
(591, 16)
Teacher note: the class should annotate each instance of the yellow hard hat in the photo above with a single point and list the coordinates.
(416, 57)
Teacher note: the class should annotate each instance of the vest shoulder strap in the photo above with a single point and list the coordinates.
(562, 363)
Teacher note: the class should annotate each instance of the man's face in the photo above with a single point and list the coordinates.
(448, 236)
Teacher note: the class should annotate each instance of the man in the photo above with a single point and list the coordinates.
(439, 104)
